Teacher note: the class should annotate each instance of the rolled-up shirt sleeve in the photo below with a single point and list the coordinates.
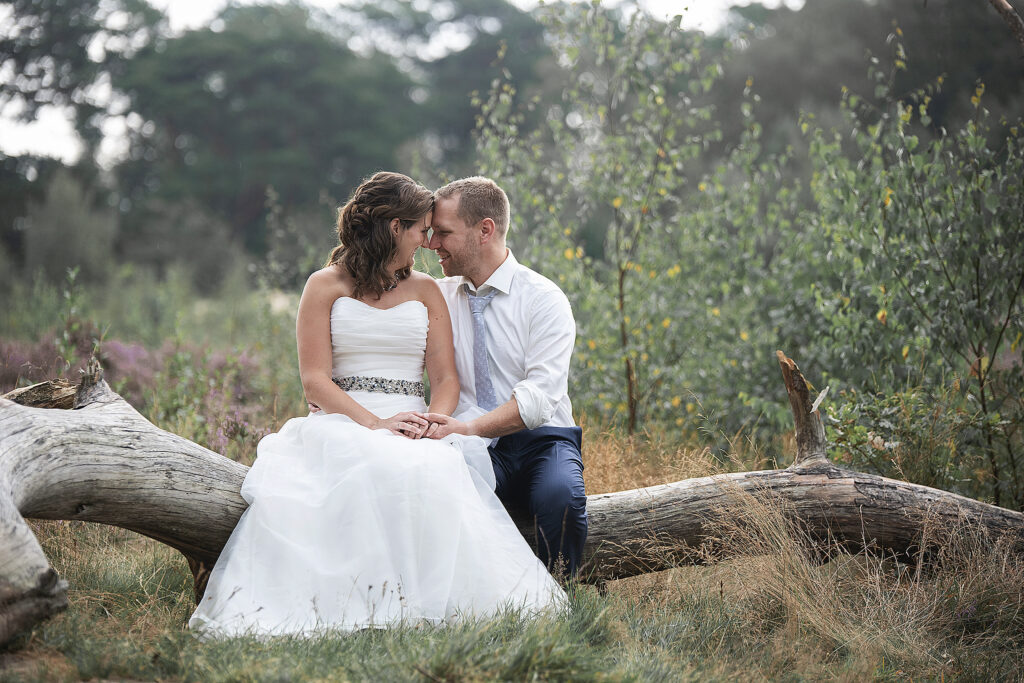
(548, 353)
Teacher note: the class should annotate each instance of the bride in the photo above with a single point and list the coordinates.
(354, 521)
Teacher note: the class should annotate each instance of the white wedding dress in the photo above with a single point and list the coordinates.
(352, 528)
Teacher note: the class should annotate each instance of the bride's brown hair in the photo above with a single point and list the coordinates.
(367, 244)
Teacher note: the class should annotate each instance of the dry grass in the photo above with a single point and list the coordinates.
(618, 462)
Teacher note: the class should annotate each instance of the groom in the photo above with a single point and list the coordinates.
(514, 334)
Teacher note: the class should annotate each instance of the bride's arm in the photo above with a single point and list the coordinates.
(313, 334)
(440, 358)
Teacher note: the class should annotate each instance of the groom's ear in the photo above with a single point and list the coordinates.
(487, 230)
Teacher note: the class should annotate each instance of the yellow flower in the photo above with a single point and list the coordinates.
(715, 312)
(702, 187)
(591, 344)
(579, 252)
(676, 401)
(627, 319)
(888, 196)
(906, 352)
(679, 422)
(569, 254)
(733, 362)
(750, 81)
(666, 322)
(882, 316)
(651, 274)
(744, 336)
(644, 357)
(690, 407)
(617, 202)
(662, 191)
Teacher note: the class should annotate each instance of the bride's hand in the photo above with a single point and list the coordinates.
(442, 425)
(407, 424)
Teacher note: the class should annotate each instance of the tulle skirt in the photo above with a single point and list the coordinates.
(350, 528)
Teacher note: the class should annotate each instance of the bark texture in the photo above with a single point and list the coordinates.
(103, 462)
(1011, 18)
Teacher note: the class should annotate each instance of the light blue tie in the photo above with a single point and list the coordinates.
(484, 388)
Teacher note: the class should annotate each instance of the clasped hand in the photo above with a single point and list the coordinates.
(416, 425)
(423, 425)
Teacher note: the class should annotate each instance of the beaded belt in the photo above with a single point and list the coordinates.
(381, 385)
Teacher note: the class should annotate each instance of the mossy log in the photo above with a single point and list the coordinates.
(102, 461)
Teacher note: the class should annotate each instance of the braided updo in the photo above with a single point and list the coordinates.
(367, 244)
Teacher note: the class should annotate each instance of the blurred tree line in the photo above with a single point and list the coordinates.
(843, 181)
(301, 103)
(277, 101)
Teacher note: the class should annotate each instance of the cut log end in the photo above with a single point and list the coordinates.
(56, 393)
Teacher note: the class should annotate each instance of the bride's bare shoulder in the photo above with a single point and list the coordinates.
(424, 284)
(421, 279)
(329, 283)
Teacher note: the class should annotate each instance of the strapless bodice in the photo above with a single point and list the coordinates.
(378, 342)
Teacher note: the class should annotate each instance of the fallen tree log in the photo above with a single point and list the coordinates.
(104, 462)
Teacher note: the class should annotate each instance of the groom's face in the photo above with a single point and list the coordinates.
(453, 239)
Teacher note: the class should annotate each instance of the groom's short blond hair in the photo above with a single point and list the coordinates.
(479, 198)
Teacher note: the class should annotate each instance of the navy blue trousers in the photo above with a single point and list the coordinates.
(540, 472)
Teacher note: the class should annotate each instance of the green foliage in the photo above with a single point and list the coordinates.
(685, 281)
(920, 434)
(297, 243)
(68, 230)
(924, 244)
(183, 235)
(264, 98)
(600, 194)
(58, 51)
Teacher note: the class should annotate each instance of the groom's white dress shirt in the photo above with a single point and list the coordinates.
(531, 333)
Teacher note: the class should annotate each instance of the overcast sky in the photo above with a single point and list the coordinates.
(703, 14)
(52, 135)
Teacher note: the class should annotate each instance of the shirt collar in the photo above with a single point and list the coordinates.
(501, 278)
